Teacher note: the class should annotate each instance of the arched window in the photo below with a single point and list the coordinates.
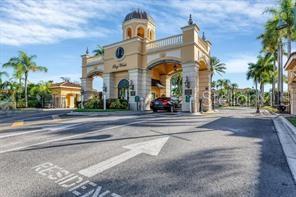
(123, 89)
(129, 33)
(140, 32)
(151, 35)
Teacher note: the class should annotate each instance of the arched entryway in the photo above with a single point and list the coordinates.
(166, 79)
(94, 84)
(123, 92)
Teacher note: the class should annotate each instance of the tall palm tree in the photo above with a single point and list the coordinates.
(99, 50)
(23, 65)
(216, 67)
(270, 41)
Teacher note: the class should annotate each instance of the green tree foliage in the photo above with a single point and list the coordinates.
(176, 84)
(22, 66)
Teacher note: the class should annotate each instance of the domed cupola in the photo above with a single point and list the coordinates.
(138, 14)
(138, 23)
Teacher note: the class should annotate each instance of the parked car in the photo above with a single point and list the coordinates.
(164, 103)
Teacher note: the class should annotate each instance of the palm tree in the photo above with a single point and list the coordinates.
(270, 42)
(216, 67)
(254, 73)
(99, 50)
(176, 83)
(2, 73)
(41, 90)
(233, 87)
(284, 13)
(23, 65)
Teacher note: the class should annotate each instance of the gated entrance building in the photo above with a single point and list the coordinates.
(141, 65)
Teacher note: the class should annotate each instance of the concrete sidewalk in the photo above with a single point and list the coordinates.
(287, 135)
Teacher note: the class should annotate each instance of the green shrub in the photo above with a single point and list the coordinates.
(93, 103)
(115, 104)
(96, 103)
(21, 103)
(34, 103)
(124, 104)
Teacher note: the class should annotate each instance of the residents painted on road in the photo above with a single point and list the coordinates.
(75, 184)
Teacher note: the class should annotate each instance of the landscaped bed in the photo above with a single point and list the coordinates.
(271, 109)
(100, 110)
(292, 120)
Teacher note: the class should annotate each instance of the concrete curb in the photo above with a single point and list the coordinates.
(287, 136)
(106, 113)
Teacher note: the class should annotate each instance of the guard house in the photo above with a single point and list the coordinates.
(65, 94)
(142, 65)
(290, 66)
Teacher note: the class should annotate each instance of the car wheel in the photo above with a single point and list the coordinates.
(154, 110)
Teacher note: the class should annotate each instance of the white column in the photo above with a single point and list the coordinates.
(142, 84)
(147, 89)
(108, 80)
(190, 71)
(293, 101)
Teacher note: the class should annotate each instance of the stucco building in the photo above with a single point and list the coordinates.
(290, 66)
(65, 94)
(142, 65)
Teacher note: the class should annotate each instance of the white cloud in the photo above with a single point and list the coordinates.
(239, 63)
(41, 22)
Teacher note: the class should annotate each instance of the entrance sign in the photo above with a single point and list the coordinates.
(133, 93)
(188, 92)
(116, 66)
(187, 99)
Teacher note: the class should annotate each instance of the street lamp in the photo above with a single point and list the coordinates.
(280, 26)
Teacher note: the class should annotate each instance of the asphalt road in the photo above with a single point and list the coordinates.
(231, 153)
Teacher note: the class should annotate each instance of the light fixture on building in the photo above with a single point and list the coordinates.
(187, 82)
(131, 85)
(175, 67)
(104, 88)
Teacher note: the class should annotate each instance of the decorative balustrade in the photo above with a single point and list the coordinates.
(169, 41)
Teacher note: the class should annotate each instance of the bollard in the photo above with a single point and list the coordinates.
(104, 98)
(190, 107)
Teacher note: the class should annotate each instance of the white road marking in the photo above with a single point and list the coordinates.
(74, 183)
(59, 128)
(73, 136)
(151, 147)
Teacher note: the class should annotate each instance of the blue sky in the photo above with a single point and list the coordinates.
(58, 32)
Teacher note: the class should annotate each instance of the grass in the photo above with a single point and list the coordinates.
(292, 120)
(100, 110)
(270, 109)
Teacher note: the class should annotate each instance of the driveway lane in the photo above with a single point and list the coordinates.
(233, 154)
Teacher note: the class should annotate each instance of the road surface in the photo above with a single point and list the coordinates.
(230, 153)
